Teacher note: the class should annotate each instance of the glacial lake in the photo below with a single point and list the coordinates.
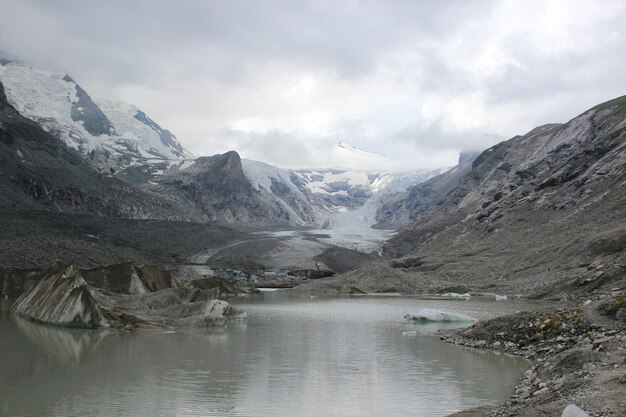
(296, 356)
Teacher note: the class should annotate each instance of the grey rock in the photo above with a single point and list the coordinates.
(573, 411)
(589, 367)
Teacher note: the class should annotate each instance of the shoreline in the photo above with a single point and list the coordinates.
(578, 353)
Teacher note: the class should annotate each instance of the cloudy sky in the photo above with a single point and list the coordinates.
(284, 81)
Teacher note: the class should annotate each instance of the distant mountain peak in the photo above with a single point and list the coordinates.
(359, 152)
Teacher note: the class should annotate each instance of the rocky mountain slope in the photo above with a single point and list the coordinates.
(218, 186)
(37, 171)
(542, 211)
(401, 207)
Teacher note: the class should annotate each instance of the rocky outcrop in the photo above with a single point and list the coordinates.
(86, 111)
(63, 297)
(218, 186)
(403, 208)
(167, 138)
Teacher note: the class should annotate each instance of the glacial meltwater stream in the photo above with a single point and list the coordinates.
(296, 356)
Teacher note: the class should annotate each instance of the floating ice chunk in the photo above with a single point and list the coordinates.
(501, 297)
(410, 333)
(435, 315)
(456, 295)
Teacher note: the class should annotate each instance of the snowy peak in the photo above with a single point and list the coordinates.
(133, 125)
(114, 135)
(348, 149)
(167, 137)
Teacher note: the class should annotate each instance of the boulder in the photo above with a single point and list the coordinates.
(573, 411)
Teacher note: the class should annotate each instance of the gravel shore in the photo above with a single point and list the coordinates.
(579, 352)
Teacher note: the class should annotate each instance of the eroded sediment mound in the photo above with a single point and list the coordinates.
(121, 297)
(374, 277)
(63, 299)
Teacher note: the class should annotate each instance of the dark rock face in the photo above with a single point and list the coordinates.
(85, 110)
(218, 186)
(167, 137)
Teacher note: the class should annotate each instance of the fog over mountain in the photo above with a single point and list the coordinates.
(284, 82)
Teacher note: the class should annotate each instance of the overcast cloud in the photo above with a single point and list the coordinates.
(284, 81)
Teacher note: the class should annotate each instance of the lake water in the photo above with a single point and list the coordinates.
(296, 356)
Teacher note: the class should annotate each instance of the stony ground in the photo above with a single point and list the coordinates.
(579, 352)
(37, 238)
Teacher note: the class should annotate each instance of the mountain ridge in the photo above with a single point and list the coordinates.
(542, 210)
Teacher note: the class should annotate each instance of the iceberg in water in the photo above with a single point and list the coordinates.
(426, 314)
(501, 297)
(456, 295)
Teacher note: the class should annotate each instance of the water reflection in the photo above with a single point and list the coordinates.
(68, 347)
(342, 357)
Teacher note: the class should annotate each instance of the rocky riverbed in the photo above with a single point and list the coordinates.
(579, 351)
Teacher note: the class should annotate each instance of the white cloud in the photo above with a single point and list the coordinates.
(284, 81)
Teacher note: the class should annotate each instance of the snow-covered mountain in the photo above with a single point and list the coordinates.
(113, 135)
(324, 192)
(119, 140)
